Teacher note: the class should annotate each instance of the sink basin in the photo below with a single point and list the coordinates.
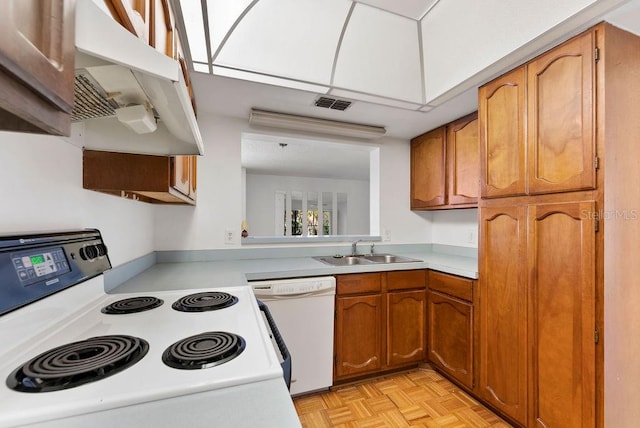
(344, 260)
(364, 259)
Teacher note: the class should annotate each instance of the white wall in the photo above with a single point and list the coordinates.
(455, 227)
(260, 200)
(220, 192)
(42, 190)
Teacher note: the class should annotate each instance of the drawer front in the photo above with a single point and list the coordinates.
(406, 279)
(452, 285)
(358, 283)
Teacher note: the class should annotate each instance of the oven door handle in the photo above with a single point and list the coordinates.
(286, 356)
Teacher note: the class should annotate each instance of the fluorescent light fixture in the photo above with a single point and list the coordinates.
(315, 125)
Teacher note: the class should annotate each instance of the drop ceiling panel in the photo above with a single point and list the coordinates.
(414, 9)
(380, 55)
(465, 37)
(222, 15)
(194, 26)
(294, 39)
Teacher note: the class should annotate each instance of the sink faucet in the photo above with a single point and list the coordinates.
(354, 246)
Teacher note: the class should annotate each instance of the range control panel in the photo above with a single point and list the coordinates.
(37, 265)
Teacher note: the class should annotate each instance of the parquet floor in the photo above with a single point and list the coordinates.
(419, 398)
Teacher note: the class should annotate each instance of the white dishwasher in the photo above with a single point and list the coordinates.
(303, 311)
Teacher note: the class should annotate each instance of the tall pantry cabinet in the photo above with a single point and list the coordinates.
(558, 148)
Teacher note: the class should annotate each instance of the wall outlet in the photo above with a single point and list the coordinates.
(386, 235)
(471, 236)
(229, 236)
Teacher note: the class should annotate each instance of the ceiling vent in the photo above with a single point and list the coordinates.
(332, 103)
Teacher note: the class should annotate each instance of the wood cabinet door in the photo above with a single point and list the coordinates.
(502, 119)
(181, 174)
(38, 47)
(406, 334)
(37, 57)
(562, 314)
(358, 344)
(561, 118)
(463, 157)
(503, 310)
(428, 182)
(451, 336)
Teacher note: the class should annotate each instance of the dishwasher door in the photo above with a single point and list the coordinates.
(303, 310)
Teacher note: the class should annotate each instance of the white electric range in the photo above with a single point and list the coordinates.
(66, 357)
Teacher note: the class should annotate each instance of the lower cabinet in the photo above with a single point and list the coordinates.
(377, 315)
(406, 327)
(451, 326)
(358, 344)
(537, 347)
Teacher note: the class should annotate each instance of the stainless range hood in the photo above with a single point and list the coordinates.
(116, 70)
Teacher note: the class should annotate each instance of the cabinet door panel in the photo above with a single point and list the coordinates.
(561, 134)
(503, 309)
(358, 335)
(464, 160)
(38, 47)
(502, 119)
(428, 185)
(406, 333)
(451, 336)
(181, 173)
(562, 313)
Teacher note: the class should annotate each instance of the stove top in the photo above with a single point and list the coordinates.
(205, 301)
(214, 349)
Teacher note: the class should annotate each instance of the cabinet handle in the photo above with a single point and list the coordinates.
(358, 366)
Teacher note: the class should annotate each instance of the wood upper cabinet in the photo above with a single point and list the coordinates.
(537, 128)
(428, 170)
(445, 166)
(502, 117)
(503, 310)
(463, 161)
(148, 178)
(183, 174)
(561, 110)
(358, 336)
(562, 313)
(37, 57)
(451, 336)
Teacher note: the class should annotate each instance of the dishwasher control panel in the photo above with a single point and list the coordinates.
(294, 286)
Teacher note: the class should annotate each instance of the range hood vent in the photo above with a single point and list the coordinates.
(90, 101)
(116, 70)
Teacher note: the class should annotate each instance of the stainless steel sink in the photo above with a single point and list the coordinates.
(364, 259)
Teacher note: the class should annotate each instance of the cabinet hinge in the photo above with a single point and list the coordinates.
(596, 336)
(335, 361)
(596, 163)
(596, 225)
(596, 54)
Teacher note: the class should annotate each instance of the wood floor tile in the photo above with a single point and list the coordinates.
(419, 399)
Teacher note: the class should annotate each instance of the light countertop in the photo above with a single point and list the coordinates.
(223, 273)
